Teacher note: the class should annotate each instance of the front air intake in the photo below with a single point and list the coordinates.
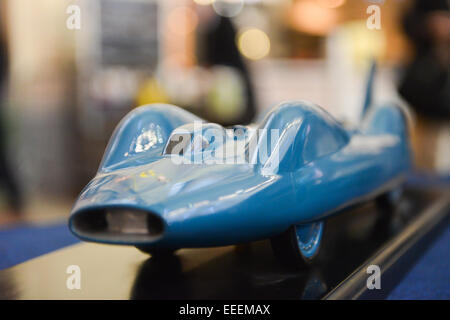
(118, 225)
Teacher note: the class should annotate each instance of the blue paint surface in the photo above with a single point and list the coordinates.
(323, 167)
(430, 277)
(22, 242)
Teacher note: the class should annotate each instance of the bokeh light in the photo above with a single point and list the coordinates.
(203, 2)
(254, 44)
(228, 8)
(310, 17)
(182, 20)
(331, 3)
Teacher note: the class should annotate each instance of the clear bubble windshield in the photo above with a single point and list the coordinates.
(209, 143)
(185, 144)
(178, 143)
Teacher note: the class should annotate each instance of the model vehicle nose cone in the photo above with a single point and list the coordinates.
(118, 225)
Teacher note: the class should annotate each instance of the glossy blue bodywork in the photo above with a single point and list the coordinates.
(322, 168)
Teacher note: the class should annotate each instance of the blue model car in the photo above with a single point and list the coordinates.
(169, 180)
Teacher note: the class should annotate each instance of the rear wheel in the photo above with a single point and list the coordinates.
(298, 246)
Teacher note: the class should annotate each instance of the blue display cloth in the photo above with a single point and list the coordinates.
(22, 242)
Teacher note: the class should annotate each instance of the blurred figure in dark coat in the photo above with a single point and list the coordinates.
(426, 82)
(216, 46)
(7, 181)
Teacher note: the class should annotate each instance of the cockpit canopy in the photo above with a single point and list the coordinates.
(210, 140)
(193, 138)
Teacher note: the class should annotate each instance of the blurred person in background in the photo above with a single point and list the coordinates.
(8, 183)
(426, 83)
(218, 52)
(210, 78)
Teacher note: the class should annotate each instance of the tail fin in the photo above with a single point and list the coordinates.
(368, 99)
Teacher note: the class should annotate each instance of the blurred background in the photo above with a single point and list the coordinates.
(71, 69)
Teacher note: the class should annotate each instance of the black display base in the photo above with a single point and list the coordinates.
(365, 235)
